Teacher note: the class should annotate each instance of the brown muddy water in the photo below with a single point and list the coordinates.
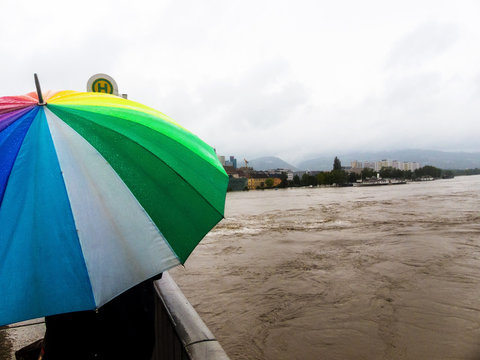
(388, 272)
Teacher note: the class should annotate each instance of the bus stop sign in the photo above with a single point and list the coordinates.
(102, 83)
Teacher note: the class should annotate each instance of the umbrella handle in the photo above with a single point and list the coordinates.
(39, 90)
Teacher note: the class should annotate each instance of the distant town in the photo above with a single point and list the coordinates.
(382, 172)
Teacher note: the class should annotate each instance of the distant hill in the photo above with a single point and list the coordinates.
(320, 163)
(270, 162)
(440, 159)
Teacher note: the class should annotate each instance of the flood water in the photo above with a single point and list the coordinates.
(389, 272)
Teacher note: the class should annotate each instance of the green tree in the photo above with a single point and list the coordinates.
(352, 177)
(475, 171)
(312, 180)
(339, 177)
(398, 174)
(447, 174)
(428, 171)
(368, 173)
(391, 173)
(386, 172)
(269, 182)
(337, 165)
(329, 179)
(322, 178)
(304, 181)
(296, 180)
(284, 182)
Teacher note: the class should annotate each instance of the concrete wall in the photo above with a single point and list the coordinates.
(181, 333)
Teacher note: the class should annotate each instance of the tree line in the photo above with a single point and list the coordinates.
(475, 171)
(338, 176)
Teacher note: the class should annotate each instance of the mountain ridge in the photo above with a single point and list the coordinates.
(270, 162)
(441, 159)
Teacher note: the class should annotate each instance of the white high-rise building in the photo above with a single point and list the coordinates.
(355, 164)
(378, 165)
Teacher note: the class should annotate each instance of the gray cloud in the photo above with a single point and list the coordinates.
(264, 98)
(266, 80)
(423, 44)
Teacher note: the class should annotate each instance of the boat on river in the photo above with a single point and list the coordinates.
(379, 182)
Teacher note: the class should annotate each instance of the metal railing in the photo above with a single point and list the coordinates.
(180, 332)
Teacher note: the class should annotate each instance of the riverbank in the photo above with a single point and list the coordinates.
(5, 346)
(19, 335)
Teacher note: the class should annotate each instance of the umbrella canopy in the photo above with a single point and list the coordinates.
(97, 193)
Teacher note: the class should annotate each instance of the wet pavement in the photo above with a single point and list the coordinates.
(16, 336)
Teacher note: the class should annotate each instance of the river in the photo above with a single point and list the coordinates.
(389, 272)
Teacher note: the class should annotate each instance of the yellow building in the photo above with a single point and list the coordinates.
(254, 183)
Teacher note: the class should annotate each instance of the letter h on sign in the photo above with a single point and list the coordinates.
(103, 86)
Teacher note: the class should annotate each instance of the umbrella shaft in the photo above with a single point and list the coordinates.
(39, 90)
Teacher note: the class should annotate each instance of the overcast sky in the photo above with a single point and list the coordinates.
(267, 78)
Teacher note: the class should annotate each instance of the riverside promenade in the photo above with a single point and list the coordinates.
(18, 335)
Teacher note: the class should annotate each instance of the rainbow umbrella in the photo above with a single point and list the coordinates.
(97, 193)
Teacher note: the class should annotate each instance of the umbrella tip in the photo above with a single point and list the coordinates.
(39, 90)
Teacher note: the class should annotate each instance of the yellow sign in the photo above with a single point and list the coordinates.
(102, 86)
